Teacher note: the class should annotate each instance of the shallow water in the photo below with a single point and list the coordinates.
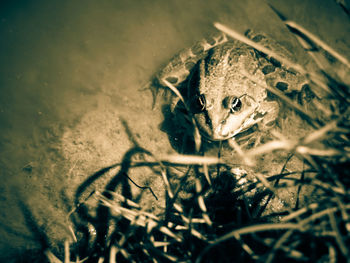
(71, 70)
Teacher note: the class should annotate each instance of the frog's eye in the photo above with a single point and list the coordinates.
(232, 103)
(199, 103)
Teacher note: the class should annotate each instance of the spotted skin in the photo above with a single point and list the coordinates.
(180, 66)
(227, 83)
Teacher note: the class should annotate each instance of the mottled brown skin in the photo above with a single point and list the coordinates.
(227, 85)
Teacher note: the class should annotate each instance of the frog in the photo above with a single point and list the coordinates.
(225, 84)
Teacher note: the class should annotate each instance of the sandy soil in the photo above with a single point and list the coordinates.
(71, 72)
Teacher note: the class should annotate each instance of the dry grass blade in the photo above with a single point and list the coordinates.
(138, 217)
(193, 220)
(236, 35)
(163, 256)
(112, 254)
(161, 243)
(332, 253)
(320, 214)
(279, 244)
(119, 198)
(66, 252)
(329, 187)
(314, 76)
(249, 230)
(190, 159)
(167, 184)
(271, 146)
(301, 145)
(178, 208)
(194, 232)
(284, 98)
(318, 41)
(320, 133)
(51, 257)
(201, 203)
(265, 182)
(257, 228)
(169, 233)
(338, 236)
(299, 212)
(245, 156)
(246, 248)
(303, 150)
(206, 173)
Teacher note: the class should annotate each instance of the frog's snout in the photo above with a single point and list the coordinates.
(223, 131)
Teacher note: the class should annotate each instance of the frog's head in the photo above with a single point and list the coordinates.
(223, 101)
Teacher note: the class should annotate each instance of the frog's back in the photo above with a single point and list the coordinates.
(180, 66)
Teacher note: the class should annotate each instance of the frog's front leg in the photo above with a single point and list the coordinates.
(267, 112)
(270, 109)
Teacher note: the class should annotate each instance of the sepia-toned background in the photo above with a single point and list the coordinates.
(71, 71)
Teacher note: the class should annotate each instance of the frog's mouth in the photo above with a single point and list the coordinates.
(229, 124)
(215, 139)
(229, 128)
(223, 132)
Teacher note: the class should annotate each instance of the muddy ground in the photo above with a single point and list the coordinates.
(72, 73)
